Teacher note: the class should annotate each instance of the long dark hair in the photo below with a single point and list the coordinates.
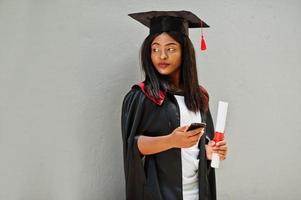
(196, 99)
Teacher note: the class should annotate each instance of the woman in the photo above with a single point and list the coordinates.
(162, 159)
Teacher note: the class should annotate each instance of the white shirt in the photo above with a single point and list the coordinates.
(190, 163)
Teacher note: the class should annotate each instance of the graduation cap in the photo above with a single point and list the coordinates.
(164, 21)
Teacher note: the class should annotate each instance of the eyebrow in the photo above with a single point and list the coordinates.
(171, 43)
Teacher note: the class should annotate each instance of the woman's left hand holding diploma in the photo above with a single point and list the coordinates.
(220, 147)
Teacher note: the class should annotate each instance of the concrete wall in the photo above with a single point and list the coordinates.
(66, 65)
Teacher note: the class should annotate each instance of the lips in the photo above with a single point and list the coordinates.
(163, 65)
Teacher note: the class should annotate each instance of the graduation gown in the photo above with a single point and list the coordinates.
(159, 176)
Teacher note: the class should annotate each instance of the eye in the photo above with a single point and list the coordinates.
(171, 49)
(155, 50)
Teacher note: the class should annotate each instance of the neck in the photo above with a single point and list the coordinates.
(175, 79)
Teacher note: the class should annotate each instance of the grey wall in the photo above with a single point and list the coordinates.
(66, 65)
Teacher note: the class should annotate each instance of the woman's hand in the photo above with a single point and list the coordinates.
(181, 138)
(220, 147)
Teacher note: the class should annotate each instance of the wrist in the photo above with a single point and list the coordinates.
(169, 141)
(208, 152)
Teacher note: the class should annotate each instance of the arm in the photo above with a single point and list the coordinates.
(150, 145)
(179, 138)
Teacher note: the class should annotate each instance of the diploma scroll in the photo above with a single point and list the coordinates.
(219, 130)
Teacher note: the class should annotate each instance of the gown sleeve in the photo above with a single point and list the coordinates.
(132, 110)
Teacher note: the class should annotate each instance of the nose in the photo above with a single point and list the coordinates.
(163, 55)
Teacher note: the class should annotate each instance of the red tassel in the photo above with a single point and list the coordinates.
(203, 44)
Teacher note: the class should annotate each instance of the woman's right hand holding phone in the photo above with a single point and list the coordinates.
(181, 138)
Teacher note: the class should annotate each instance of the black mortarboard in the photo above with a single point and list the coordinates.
(164, 21)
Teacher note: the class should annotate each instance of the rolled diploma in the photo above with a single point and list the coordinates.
(219, 130)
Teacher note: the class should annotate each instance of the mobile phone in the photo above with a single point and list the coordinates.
(196, 125)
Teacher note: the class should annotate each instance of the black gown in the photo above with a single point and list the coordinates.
(159, 176)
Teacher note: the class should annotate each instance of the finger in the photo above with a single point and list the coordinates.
(202, 130)
(222, 157)
(193, 142)
(214, 151)
(183, 128)
(224, 148)
(198, 129)
(222, 152)
(214, 148)
(194, 137)
(195, 131)
(211, 143)
(221, 143)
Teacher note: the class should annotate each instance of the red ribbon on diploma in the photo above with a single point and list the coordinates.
(218, 136)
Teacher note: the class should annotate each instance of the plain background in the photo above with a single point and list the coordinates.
(65, 67)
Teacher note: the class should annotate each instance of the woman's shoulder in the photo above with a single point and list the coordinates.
(135, 93)
(139, 91)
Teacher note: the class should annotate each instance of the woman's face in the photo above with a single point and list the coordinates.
(166, 55)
